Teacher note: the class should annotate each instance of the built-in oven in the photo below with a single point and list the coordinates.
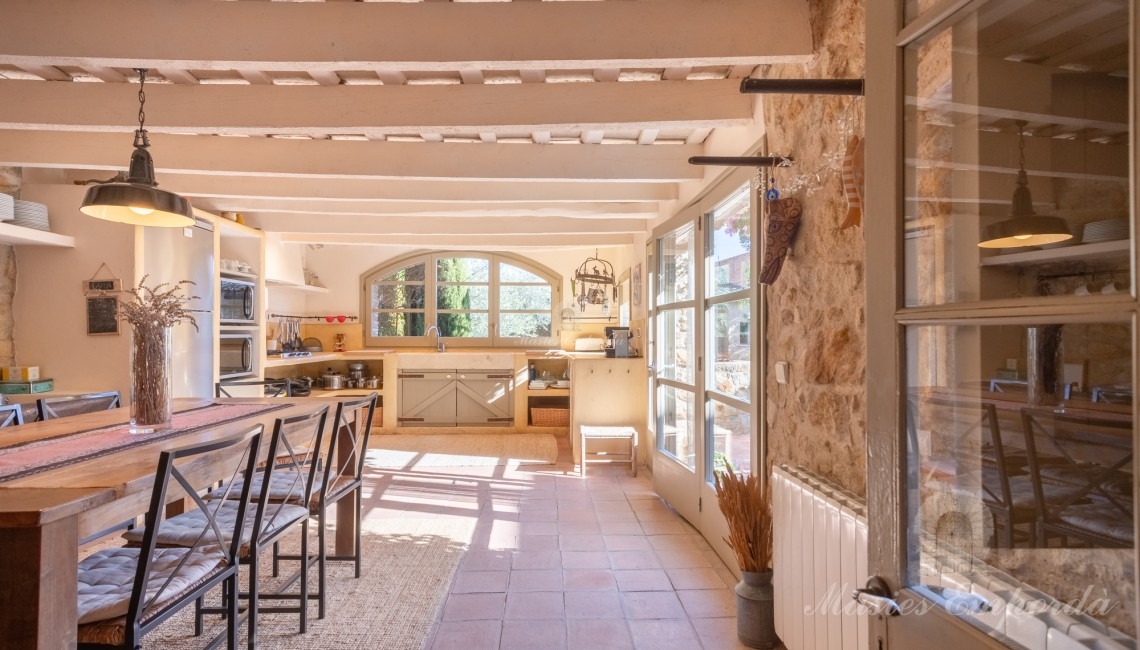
(237, 303)
(235, 355)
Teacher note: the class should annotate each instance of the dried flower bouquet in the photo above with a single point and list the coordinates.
(152, 311)
(748, 511)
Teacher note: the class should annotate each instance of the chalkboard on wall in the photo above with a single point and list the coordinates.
(102, 315)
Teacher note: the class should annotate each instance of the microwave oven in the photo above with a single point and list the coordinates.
(235, 355)
(236, 303)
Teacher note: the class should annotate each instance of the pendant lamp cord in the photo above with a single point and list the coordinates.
(1021, 144)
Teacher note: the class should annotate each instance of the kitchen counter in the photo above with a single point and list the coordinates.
(322, 357)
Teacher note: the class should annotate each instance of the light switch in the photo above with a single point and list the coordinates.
(782, 369)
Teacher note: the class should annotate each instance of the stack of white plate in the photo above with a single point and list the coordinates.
(31, 215)
(1107, 230)
(7, 207)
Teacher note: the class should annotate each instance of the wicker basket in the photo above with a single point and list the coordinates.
(543, 416)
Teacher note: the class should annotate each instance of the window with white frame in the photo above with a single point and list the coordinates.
(492, 299)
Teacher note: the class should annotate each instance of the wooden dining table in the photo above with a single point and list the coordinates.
(44, 515)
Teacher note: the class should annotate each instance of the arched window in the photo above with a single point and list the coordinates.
(474, 299)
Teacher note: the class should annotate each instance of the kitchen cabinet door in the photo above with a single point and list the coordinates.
(484, 398)
(427, 398)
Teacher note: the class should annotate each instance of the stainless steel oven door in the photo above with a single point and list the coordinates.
(235, 356)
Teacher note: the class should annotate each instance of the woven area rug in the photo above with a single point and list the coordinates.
(461, 450)
(408, 566)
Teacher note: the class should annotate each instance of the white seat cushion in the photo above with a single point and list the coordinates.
(186, 529)
(286, 485)
(107, 577)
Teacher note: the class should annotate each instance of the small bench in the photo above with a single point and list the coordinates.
(608, 433)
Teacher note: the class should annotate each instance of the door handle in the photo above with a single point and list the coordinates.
(877, 595)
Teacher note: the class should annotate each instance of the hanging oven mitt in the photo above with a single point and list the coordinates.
(853, 182)
(783, 223)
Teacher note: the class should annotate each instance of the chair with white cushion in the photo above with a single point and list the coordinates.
(267, 522)
(124, 593)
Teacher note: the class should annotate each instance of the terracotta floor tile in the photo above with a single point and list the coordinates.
(594, 604)
(535, 605)
(719, 633)
(538, 515)
(619, 516)
(708, 603)
(589, 580)
(523, 560)
(696, 579)
(672, 543)
(580, 514)
(598, 635)
(643, 580)
(536, 580)
(634, 560)
(467, 635)
(579, 528)
(531, 634)
(538, 528)
(538, 543)
(469, 582)
(626, 542)
(470, 607)
(652, 604)
(581, 543)
(620, 527)
(585, 560)
(485, 561)
(663, 528)
(683, 559)
(664, 635)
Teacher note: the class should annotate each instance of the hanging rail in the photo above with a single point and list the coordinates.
(803, 86)
(324, 318)
(743, 161)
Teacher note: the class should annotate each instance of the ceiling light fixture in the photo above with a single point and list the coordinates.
(1024, 227)
(592, 278)
(136, 198)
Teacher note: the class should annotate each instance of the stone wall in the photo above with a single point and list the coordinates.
(10, 178)
(815, 316)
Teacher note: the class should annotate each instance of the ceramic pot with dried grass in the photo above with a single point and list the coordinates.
(747, 509)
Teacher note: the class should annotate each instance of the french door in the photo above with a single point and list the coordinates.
(1002, 322)
(705, 345)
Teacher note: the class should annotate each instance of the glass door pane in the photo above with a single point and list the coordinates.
(1020, 475)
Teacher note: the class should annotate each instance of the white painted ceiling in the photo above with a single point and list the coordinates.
(361, 122)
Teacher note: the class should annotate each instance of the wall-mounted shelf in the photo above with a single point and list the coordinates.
(21, 236)
(1099, 250)
(293, 286)
(237, 274)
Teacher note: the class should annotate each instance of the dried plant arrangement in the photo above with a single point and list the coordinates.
(747, 508)
(151, 311)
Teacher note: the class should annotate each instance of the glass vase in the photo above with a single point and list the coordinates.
(151, 394)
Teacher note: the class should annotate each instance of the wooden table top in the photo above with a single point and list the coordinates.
(66, 491)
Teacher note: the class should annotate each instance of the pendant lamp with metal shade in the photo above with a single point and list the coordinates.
(1024, 227)
(136, 199)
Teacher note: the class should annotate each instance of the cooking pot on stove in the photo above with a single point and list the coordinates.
(332, 380)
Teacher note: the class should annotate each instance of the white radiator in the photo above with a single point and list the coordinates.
(819, 557)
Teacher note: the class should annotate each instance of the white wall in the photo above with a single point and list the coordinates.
(50, 308)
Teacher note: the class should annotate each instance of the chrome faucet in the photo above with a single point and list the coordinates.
(440, 344)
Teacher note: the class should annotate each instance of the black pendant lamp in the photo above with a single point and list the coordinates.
(1024, 227)
(137, 199)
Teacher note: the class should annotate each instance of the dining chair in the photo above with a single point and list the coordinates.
(1091, 458)
(51, 408)
(344, 476)
(267, 523)
(11, 415)
(270, 387)
(124, 593)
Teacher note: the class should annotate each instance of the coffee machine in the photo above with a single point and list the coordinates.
(618, 343)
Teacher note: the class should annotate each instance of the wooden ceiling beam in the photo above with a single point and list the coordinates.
(395, 226)
(218, 156)
(375, 110)
(405, 36)
(350, 190)
(386, 209)
(497, 241)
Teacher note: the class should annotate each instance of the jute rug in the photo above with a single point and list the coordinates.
(408, 566)
(461, 450)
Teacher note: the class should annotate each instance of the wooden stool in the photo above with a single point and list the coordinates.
(608, 433)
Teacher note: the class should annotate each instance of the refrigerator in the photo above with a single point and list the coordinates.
(170, 255)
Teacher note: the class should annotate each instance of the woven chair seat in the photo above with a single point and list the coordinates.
(1102, 519)
(285, 485)
(1021, 493)
(185, 530)
(107, 577)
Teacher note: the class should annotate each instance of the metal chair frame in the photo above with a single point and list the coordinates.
(281, 387)
(47, 410)
(139, 620)
(11, 415)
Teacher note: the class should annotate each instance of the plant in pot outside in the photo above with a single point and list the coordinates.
(747, 509)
